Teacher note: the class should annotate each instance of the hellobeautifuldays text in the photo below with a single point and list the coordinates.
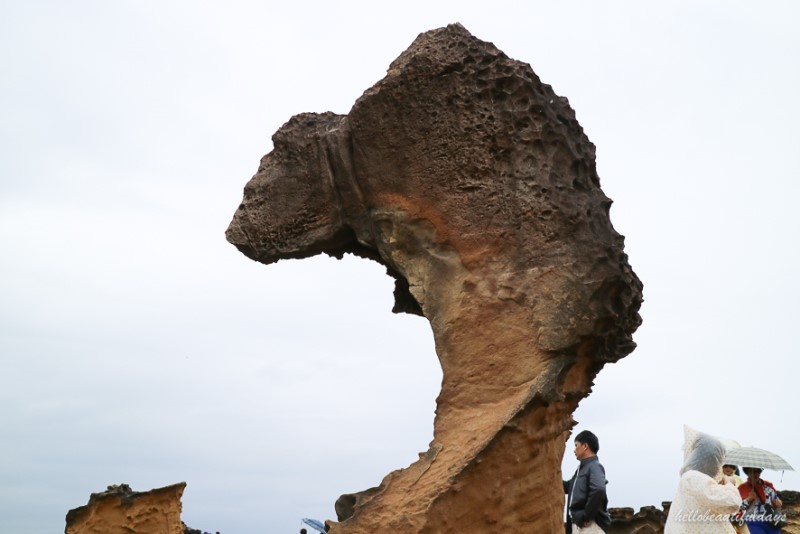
(705, 517)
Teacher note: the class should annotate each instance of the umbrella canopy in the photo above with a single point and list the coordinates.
(753, 457)
(313, 523)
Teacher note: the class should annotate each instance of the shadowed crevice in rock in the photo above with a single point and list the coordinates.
(474, 185)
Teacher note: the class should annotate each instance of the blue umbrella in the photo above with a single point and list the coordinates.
(313, 523)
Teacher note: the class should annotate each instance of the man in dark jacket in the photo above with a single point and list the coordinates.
(587, 503)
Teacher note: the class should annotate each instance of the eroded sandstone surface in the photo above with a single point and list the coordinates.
(472, 182)
(120, 510)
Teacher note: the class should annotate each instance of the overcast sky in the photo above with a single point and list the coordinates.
(138, 346)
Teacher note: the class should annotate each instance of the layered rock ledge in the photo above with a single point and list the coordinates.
(472, 182)
(120, 510)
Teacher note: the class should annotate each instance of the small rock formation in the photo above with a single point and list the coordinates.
(648, 520)
(120, 510)
(474, 185)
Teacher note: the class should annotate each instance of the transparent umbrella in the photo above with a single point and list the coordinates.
(754, 457)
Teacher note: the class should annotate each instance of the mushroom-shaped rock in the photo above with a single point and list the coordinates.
(472, 182)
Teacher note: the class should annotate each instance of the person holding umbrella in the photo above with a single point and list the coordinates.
(760, 503)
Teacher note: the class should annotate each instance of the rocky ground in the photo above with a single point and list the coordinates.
(120, 510)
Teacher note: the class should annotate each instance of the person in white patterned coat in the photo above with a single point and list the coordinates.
(705, 501)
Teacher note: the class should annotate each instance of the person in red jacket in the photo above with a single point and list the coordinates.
(760, 503)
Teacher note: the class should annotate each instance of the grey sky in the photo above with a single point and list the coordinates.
(137, 346)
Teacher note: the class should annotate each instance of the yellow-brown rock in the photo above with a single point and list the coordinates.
(120, 510)
(474, 185)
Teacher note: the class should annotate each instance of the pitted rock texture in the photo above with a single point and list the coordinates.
(120, 510)
(474, 185)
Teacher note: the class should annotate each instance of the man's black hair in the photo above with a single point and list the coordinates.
(589, 439)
